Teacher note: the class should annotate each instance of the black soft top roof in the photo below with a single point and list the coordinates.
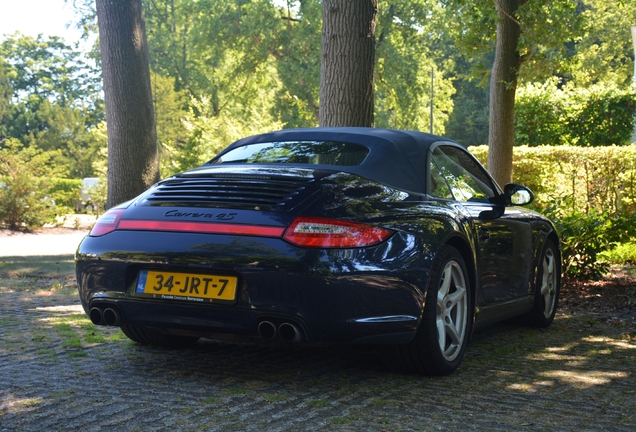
(396, 157)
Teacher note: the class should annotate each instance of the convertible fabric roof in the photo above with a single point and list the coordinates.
(396, 158)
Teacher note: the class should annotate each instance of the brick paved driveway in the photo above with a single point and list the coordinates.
(59, 372)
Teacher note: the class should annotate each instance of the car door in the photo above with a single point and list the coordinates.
(503, 235)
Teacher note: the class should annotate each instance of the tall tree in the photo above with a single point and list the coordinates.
(503, 86)
(347, 64)
(132, 140)
(526, 32)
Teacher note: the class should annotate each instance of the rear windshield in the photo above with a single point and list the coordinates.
(297, 152)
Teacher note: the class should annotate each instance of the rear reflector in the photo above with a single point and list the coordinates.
(330, 233)
(201, 227)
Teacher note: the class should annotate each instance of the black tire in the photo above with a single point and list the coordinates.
(447, 320)
(547, 287)
(150, 336)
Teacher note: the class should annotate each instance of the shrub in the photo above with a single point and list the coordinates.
(593, 178)
(621, 253)
(589, 193)
(585, 237)
(65, 192)
(25, 187)
(549, 113)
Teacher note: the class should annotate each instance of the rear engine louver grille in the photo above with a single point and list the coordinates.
(248, 191)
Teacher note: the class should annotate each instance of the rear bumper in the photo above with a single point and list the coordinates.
(336, 296)
(243, 324)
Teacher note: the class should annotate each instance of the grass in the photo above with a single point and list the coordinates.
(50, 267)
(57, 324)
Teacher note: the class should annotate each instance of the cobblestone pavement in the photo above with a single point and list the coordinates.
(59, 372)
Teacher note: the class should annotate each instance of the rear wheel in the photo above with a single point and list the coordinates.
(441, 339)
(150, 336)
(547, 287)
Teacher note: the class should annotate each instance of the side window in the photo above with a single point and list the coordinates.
(467, 179)
(438, 186)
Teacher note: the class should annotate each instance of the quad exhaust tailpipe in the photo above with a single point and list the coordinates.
(105, 316)
(289, 332)
(111, 317)
(267, 330)
(286, 331)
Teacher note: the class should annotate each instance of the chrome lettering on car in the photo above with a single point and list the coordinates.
(220, 216)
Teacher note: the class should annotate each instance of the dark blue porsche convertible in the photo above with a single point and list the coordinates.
(332, 235)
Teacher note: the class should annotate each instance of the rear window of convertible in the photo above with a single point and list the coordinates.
(297, 152)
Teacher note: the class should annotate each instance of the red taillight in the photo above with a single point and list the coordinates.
(106, 223)
(330, 233)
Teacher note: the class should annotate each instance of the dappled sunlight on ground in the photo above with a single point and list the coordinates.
(584, 378)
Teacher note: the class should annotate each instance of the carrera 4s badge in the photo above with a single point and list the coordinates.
(196, 215)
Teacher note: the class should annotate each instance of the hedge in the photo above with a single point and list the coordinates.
(551, 113)
(594, 178)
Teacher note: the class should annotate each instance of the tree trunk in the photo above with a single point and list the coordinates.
(503, 86)
(132, 144)
(348, 56)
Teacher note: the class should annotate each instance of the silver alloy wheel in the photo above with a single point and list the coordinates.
(452, 311)
(548, 282)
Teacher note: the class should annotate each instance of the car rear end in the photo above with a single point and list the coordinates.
(255, 253)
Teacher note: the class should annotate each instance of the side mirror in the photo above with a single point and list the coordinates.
(517, 194)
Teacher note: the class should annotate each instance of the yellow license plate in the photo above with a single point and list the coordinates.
(186, 286)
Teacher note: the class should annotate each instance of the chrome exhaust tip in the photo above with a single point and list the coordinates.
(111, 317)
(266, 330)
(289, 332)
(96, 316)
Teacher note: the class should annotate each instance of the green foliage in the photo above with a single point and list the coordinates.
(468, 122)
(50, 99)
(585, 237)
(547, 31)
(595, 178)
(604, 52)
(25, 187)
(621, 254)
(406, 43)
(548, 113)
(65, 193)
(209, 134)
(297, 64)
(589, 193)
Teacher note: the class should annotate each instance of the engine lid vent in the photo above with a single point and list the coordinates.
(230, 191)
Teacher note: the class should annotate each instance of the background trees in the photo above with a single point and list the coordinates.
(223, 69)
(50, 100)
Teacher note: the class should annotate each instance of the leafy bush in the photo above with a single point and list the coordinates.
(549, 113)
(65, 192)
(589, 193)
(25, 187)
(586, 237)
(601, 179)
(621, 253)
